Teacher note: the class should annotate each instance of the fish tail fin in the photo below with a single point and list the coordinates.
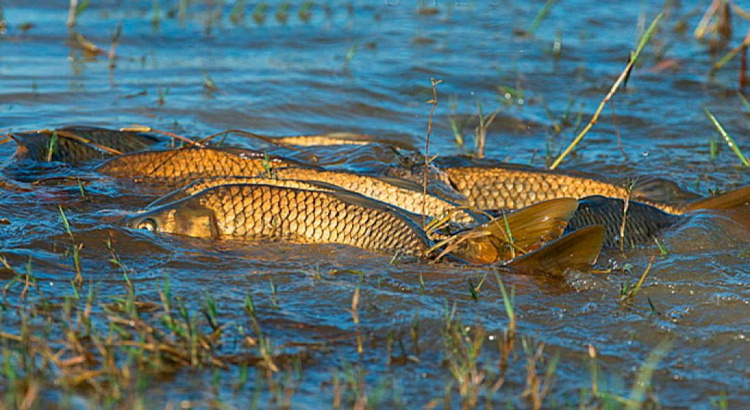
(523, 230)
(533, 225)
(578, 250)
(729, 200)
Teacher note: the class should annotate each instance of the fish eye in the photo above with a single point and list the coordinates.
(147, 224)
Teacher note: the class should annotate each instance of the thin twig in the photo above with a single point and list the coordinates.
(434, 102)
(72, 13)
(730, 55)
(113, 48)
(143, 128)
(702, 28)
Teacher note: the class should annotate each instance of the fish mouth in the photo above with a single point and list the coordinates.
(135, 220)
(130, 221)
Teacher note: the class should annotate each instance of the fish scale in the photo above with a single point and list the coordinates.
(187, 164)
(269, 212)
(495, 188)
(411, 199)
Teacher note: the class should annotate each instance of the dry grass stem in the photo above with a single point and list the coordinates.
(433, 102)
(625, 73)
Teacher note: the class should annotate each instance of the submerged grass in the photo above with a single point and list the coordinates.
(111, 349)
(106, 347)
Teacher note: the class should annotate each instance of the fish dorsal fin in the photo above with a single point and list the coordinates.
(322, 186)
(260, 155)
(246, 152)
(597, 201)
(578, 250)
(730, 200)
(434, 188)
(657, 189)
(401, 183)
(535, 224)
(367, 202)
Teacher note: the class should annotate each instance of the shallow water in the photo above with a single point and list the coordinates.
(365, 67)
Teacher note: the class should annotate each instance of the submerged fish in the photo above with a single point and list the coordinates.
(183, 165)
(642, 222)
(336, 216)
(78, 144)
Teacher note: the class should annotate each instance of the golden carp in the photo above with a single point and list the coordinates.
(512, 187)
(578, 251)
(256, 211)
(492, 185)
(187, 164)
(279, 213)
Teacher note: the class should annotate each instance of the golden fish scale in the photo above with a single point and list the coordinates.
(372, 187)
(186, 164)
(260, 211)
(319, 140)
(497, 188)
(202, 184)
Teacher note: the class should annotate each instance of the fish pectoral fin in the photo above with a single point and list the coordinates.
(534, 225)
(578, 250)
(729, 200)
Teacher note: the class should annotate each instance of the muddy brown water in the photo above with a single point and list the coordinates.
(365, 67)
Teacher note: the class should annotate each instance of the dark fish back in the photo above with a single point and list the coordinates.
(78, 144)
(643, 223)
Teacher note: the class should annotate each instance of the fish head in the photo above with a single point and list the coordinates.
(185, 217)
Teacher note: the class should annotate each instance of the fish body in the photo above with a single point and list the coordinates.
(259, 212)
(329, 214)
(78, 144)
(183, 165)
(512, 187)
(642, 222)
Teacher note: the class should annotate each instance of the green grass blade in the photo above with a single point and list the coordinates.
(728, 138)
